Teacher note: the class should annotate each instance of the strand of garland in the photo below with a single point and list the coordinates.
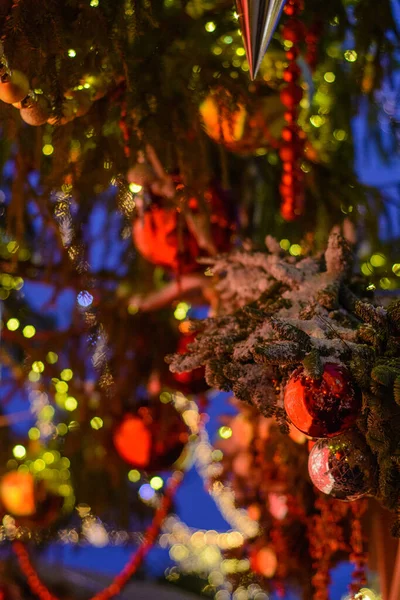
(37, 587)
(358, 555)
(292, 148)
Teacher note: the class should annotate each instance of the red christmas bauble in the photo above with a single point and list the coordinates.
(342, 467)
(152, 439)
(322, 407)
(189, 382)
(263, 561)
(28, 500)
(163, 237)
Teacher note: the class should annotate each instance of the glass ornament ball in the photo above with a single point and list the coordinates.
(17, 494)
(342, 467)
(152, 439)
(14, 87)
(322, 407)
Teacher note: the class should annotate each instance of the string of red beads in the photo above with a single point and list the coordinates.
(358, 555)
(292, 148)
(136, 559)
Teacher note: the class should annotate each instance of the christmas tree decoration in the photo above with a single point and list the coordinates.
(322, 407)
(243, 128)
(293, 138)
(264, 562)
(29, 501)
(14, 87)
(153, 439)
(141, 172)
(175, 239)
(17, 494)
(258, 20)
(35, 110)
(281, 313)
(343, 467)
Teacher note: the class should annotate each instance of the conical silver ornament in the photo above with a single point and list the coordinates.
(258, 20)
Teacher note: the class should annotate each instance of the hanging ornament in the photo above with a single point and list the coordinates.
(258, 20)
(17, 494)
(242, 127)
(189, 382)
(151, 439)
(35, 110)
(167, 237)
(342, 467)
(14, 87)
(293, 139)
(322, 407)
(29, 500)
(263, 561)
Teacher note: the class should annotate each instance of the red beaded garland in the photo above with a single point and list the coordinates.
(120, 581)
(292, 149)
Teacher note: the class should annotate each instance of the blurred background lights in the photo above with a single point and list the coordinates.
(12, 324)
(84, 298)
(134, 475)
(156, 483)
(181, 311)
(96, 423)
(19, 451)
(146, 492)
(225, 432)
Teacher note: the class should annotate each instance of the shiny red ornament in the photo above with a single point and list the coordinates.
(322, 407)
(28, 500)
(152, 439)
(343, 466)
(162, 235)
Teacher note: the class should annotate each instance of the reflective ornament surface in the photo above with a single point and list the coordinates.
(322, 407)
(342, 467)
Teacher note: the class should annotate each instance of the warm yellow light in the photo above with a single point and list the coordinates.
(38, 366)
(377, 260)
(19, 451)
(135, 188)
(28, 331)
(156, 483)
(62, 387)
(295, 250)
(181, 311)
(210, 26)
(134, 475)
(96, 423)
(52, 358)
(71, 53)
(351, 55)
(48, 149)
(225, 432)
(71, 403)
(12, 324)
(34, 433)
(66, 374)
(329, 77)
(39, 464)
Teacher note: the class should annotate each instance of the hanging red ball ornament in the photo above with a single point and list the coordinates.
(343, 466)
(264, 562)
(162, 235)
(153, 438)
(28, 500)
(322, 407)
